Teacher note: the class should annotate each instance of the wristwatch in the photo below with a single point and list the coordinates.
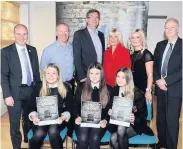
(148, 90)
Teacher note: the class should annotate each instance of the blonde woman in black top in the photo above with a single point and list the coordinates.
(142, 63)
(51, 85)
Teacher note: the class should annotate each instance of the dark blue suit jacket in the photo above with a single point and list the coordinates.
(11, 72)
(174, 72)
(84, 51)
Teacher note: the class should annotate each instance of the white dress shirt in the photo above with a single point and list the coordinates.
(97, 43)
(20, 54)
(121, 90)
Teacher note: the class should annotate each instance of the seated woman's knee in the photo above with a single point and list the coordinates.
(53, 132)
(83, 139)
(94, 138)
(121, 131)
(39, 135)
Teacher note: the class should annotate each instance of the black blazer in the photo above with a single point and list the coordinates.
(84, 51)
(76, 104)
(64, 104)
(11, 73)
(139, 103)
(174, 73)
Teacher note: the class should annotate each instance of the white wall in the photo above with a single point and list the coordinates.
(3, 106)
(155, 27)
(42, 24)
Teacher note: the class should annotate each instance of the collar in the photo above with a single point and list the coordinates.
(19, 47)
(121, 90)
(95, 85)
(173, 42)
(92, 30)
(119, 46)
(57, 42)
(53, 85)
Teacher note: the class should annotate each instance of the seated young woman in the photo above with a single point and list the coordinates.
(94, 89)
(138, 124)
(51, 85)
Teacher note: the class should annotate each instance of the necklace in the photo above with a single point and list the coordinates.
(134, 60)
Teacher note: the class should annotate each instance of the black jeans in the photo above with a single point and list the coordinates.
(119, 139)
(40, 132)
(88, 137)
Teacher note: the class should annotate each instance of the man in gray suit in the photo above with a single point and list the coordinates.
(19, 77)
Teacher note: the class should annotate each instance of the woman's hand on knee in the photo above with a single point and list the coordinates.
(78, 120)
(103, 123)
(132, 118)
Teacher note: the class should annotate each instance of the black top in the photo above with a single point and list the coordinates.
(138, 68)
(76, 107)
(64, 104)
(139, 109)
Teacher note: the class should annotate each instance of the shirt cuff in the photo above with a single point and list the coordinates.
(67, 115)
(32, 114)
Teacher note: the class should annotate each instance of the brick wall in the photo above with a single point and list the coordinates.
(126, 16)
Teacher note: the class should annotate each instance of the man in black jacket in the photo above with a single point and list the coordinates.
(88, 45)
(19, 75)
(168, 80)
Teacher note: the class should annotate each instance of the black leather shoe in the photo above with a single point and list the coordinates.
(159, 146)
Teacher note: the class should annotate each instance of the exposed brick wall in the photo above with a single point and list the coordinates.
(124, 15)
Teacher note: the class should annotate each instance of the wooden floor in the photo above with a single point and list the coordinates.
(6, 142)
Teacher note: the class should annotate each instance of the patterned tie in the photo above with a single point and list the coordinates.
(27, 68)
(166, 60)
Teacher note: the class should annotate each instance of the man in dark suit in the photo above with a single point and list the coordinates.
(168, 81)
(19, 77)
(88, 45)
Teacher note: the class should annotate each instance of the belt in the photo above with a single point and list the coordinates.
(25, 85)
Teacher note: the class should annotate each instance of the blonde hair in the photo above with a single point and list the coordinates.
(45, 89)
(117, 33)
(142, 35)
(129, 88)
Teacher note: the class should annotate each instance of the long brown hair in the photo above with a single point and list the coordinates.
(61, 88)
(129, 87)
(103, 91)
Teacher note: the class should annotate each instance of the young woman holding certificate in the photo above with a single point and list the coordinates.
(51, 85)
(94, 89)
(138, 124)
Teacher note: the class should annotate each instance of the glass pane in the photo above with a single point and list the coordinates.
(10, 11)
(7, 30)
